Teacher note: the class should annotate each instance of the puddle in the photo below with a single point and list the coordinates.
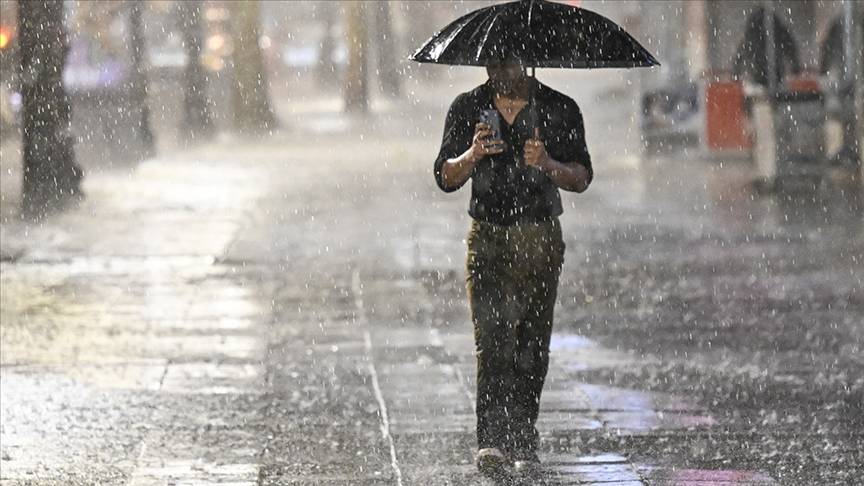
(561, 342)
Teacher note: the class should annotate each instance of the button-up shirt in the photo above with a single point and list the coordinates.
(504, 190)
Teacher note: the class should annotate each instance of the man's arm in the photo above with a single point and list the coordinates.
(457, 170)
(456, 141)
(570, 177)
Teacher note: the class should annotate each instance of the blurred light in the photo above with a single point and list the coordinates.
(4, 39)
(216, 42)
(264, 42)
(212, 62)
(216, 14)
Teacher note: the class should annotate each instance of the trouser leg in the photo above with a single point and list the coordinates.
(539, 288)
(532, 363)
(496, 392)
(512, 285)
(492, 312)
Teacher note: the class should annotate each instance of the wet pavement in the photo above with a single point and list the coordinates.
(292, 311)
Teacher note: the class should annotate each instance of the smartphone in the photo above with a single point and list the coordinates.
(493, 119)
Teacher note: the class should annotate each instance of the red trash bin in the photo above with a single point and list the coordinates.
(725, 118)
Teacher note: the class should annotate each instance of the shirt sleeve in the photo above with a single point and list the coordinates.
(457, 138)
(573, 147)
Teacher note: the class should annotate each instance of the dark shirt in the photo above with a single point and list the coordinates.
(503, 190)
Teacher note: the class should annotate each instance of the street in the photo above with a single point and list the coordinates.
(292, 310)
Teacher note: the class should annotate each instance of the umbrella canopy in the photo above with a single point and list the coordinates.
(539, 34)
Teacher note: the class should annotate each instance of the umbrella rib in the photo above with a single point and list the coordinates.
(592, 41)
(457, 30)
(482, 45)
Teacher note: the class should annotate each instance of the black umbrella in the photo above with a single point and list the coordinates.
(537, 33)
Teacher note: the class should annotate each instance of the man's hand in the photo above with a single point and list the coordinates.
(570, 177)
(482, 145)
(535, 152)
(456, 171)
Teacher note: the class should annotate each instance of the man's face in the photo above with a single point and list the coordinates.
(506, 76)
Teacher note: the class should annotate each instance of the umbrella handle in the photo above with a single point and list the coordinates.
(533, 105)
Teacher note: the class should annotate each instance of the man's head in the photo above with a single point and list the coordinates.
(507, 77)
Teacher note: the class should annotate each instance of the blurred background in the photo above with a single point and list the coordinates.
(148, 77)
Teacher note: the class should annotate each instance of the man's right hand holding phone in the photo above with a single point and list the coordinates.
(456, 171)
(483, 143)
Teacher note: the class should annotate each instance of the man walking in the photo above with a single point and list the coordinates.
(515, 246)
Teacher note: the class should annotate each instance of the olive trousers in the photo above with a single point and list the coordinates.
(512, 283)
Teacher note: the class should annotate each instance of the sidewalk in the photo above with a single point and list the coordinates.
(291, 311)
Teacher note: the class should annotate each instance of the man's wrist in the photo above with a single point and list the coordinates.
(471, 156)
(547, 165)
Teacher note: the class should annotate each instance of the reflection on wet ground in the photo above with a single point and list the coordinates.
(431, 417)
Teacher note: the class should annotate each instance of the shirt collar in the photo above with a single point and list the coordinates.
(531, 109)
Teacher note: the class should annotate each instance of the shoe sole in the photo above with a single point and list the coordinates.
(493, 467)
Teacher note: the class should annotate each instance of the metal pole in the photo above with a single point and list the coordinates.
(848, 41)
(770, 47)
(852, 79)
(672, 44)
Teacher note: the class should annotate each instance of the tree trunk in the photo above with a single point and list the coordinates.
(51, 176)
(138, 82)
(326, 71)
(356, 89)
(197, 116)
(859, 86)
(252, 110)
(388, 69)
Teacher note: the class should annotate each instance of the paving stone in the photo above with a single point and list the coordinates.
(210, 325)
(217, 307)
(144, 375)
(598, 472)
(310, 452)
(560, 396)
(191, 473)
(201, 347)
(636, 421)
(431, 423)
(563, 421)
(613, 483)
(565, 459)
(671, 421)
(213, 378)
(701, 477)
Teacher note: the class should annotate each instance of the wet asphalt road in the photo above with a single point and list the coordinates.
(291, 311)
